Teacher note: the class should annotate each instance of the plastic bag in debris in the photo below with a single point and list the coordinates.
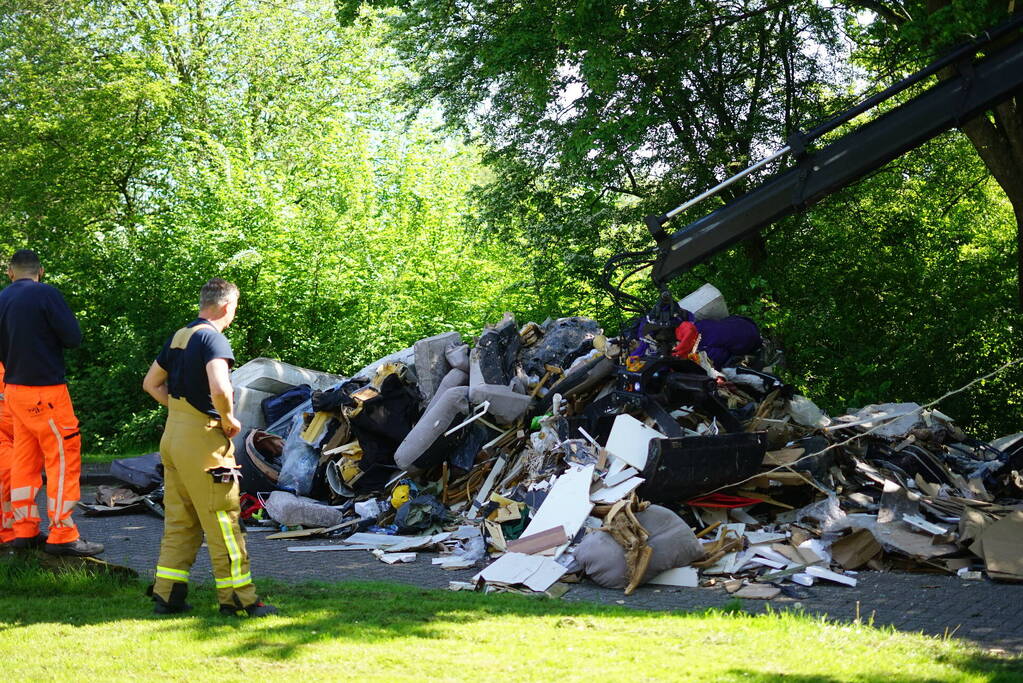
(563, 341)
(826, 513)
(370, 509)
(889, 420)
(805, 412)
(673, 543)
(472, 547)
(299, 461)
(420, 514)
(291, 510)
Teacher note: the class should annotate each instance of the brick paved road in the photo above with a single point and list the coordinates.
(984, 612)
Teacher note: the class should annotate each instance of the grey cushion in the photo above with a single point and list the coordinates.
(673, 542)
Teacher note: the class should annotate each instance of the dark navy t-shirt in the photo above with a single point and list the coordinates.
(36, 326)
(186, 368)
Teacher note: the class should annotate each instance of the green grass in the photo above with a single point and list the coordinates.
(83, 627)
(106, 457)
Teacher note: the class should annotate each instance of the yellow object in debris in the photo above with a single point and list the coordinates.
(633, 364)
(312, 433)
(385, 371)
(349, 468)
(400, 495)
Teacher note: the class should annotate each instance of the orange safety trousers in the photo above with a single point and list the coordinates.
(45, 436)
(6, 456)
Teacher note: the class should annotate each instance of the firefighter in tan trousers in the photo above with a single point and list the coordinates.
(191, 377)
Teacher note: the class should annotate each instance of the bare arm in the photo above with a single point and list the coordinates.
(222, 395)
(155, 383)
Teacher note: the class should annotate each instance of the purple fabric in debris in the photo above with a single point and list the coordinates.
(735, 335)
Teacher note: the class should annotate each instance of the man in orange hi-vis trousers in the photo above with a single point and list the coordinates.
(36, 326)
(6, 446)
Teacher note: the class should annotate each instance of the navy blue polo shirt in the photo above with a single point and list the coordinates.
(186, 368)
(36, 326)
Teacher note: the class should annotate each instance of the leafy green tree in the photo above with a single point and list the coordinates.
(907, 33)
(147, 146)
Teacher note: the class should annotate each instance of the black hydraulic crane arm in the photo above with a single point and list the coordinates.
(974, 88)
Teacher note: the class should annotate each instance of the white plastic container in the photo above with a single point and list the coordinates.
(706, 303)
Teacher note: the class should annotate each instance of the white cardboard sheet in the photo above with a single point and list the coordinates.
(568, 503)
(613, 494)
(533, 571)
(687, 577)
(630, 439)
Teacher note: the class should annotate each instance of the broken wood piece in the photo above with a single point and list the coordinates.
(535, 543)
(308, 533)
(566, 505)
(708, 529)
(764, 498)
(856, 549)
(757, 591)
(828, 575)
(782, 574)
(394, 558)
(766, 480)
(488, 485)
(922, 524)
(535, 572)
(784, 456)
(615, 493)
(496, 535)
(630, 439)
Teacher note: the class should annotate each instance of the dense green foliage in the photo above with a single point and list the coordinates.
(147, 146)
(372, 175)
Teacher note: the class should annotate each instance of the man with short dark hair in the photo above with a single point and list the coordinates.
(36, 326)
(191, 377)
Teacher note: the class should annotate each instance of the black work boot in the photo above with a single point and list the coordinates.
(255, 610)
(76, 548)
(37, 541)
(176, 604)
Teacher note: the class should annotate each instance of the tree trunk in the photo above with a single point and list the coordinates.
(998, 138)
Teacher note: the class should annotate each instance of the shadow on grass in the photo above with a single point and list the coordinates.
(365, 612)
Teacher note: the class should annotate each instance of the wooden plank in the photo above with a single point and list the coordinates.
(317, 531)
(535, 543)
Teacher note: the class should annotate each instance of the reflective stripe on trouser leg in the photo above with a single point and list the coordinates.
(23, 507)
(171, 574)
(58, 512)
(237, 578)
(26, 461)
(6, 457)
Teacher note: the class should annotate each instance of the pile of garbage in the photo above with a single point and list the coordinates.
(670, 454)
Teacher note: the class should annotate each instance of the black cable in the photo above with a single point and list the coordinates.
(639, 260)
